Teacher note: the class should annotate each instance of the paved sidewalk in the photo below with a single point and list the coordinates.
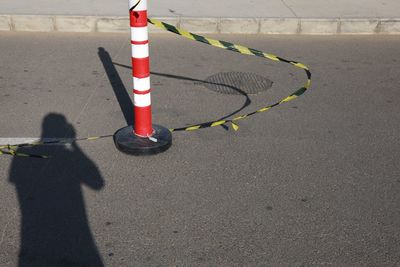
(211, 8)
(225, 16)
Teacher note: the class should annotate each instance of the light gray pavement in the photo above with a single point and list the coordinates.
(225, 16)
(210, 8)
(314, 182)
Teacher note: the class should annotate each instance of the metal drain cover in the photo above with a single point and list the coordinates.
(237, 83)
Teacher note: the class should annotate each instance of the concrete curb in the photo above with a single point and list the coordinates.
(49, 23)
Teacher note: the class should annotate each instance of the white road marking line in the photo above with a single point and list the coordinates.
(25, 140)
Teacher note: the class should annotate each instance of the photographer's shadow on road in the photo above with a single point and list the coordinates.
(54, 224)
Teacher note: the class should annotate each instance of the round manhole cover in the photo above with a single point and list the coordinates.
(237, 83)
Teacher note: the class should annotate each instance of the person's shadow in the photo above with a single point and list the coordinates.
(54, 223)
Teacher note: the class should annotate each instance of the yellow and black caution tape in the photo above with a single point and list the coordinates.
(55, 141)
(241, 50)
(11, 149)
(14, 153)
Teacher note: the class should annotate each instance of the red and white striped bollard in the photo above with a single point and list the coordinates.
(143, 138)
(140, 67)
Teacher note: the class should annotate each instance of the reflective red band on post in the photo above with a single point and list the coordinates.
(138, 18)
(142, 114)
(141, 67)
(139, 42)
(141, 92)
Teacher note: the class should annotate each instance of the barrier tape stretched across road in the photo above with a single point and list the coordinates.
(12, 152)
(241, 50)
(11, 149)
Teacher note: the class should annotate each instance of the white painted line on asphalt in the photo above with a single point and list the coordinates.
(25, 140)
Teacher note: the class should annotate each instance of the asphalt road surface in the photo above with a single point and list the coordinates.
(313, 182)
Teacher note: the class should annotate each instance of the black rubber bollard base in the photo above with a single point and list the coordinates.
(128, 142)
